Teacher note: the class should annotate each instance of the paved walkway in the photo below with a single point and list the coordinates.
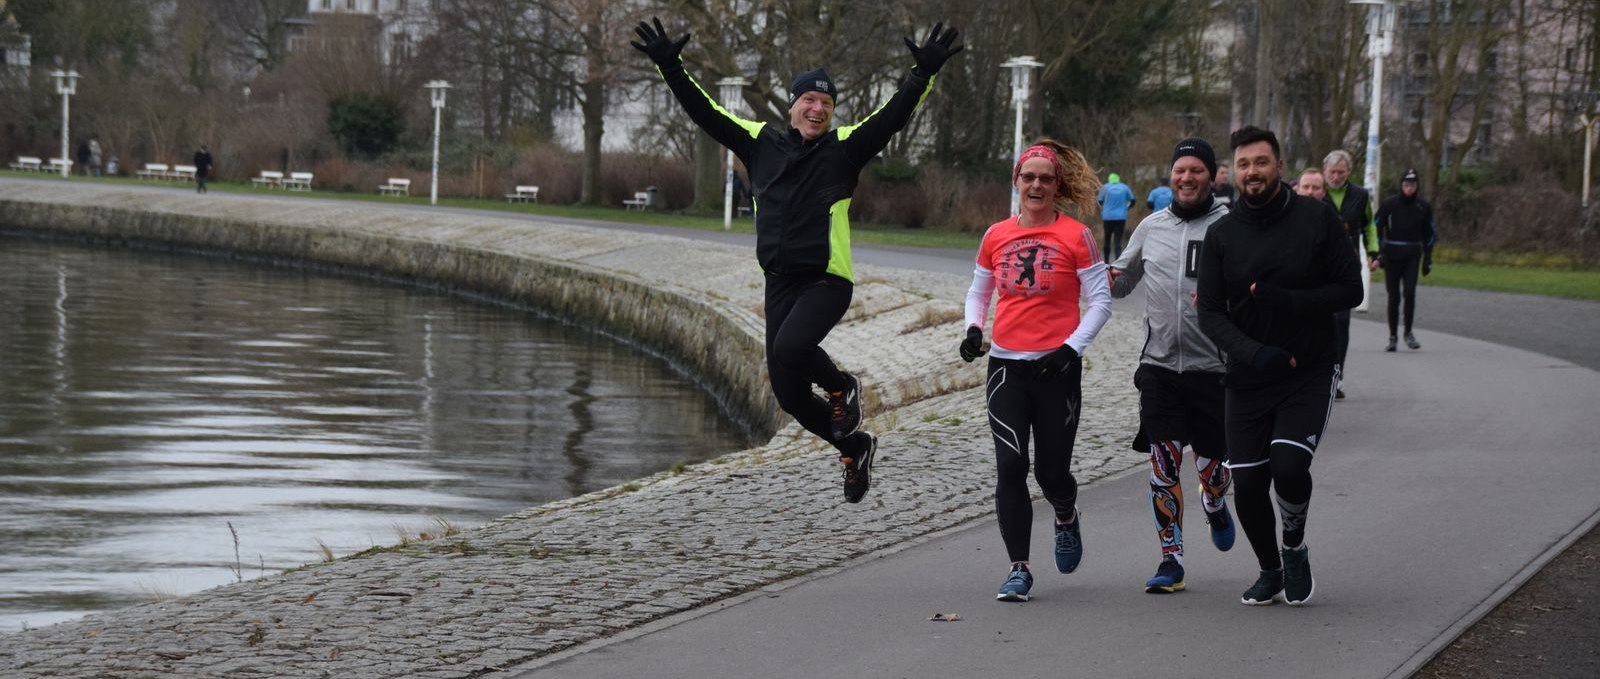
(1456, 470)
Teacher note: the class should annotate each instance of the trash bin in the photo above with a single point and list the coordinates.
(651, 203)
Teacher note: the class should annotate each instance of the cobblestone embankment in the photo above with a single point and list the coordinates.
(575, 571)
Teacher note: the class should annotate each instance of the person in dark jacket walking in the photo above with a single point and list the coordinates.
(1406, 237)
(802, 177)
(202, 168)
(1272, 274)
(1354, 206)
(1180, 370)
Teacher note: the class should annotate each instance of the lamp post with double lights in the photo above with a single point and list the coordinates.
(66, 86)
(1021, 86)
(436, 92)
(729, 89)
(1380, 42)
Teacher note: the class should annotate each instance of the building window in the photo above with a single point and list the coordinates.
(1572, 58)
(350, 5)
(1491, 61)
(1419, 61)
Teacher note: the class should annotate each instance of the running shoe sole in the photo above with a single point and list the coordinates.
(1252, 602)
(863, 469)
(1010, 596)
(1162, 588)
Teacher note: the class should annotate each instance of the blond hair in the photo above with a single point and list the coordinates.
(1078, 183)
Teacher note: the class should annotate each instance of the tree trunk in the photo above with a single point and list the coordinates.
(709, 161)
(594, 127)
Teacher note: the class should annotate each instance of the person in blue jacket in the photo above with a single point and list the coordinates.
(1160, 196)
(1115, 198)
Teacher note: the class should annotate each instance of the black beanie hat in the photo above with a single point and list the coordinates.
(1410, 176)
(815, 81)
(1197, 147)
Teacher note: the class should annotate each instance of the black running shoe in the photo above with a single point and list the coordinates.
(858, 471)
(1338, 394)
(1268, 590)
(1411, 341)
(844, 408)
(1297, 583)
(1392, 341)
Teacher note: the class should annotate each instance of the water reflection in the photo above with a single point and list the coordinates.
(148, 400)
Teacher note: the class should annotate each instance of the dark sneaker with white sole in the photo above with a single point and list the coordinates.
(844, 409)
(1069, 544)
(858, 470)
(1411, 341)
(1297, 583)
(1268, 590)
(1016, 585)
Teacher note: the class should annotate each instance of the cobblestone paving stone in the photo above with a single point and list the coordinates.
(555, 576)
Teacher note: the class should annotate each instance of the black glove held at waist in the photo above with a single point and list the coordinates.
(1058, 361)
(972, 346)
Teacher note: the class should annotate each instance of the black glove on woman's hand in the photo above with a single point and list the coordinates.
(660, 48)
(972, 346)
(936, 50)
(1058, 361)
(1427, 264)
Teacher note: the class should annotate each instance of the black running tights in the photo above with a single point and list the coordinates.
(1023, 402)
(801, 311)
(1401, 273)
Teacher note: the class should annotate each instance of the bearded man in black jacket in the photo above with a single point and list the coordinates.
(1273, 272)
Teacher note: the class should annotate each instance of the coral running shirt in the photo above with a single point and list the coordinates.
(1036, 269)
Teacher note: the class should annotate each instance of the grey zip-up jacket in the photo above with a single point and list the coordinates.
(1165, 253)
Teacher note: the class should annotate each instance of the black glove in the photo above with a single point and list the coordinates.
(936, 50)
(1058, 362)
(1273, 297)
(1271, 360)
(1427, 264)
(660, 48)
(972, 346)
(1382, 263)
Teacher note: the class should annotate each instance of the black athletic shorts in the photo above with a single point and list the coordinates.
(1183, 407)
(1293, 412)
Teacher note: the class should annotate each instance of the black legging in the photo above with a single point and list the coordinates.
(801, 311)
(1341, 334)
(1112, 246)
(1398, 270)
(1023, 402)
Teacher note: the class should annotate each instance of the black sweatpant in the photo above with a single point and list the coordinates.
(1112, 245)
(1022, 402)
(1341, 333)
(801, 311)
(1273, 433)
(1400, 274)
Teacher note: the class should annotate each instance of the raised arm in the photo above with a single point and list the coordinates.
(868, 137)
(728, 129)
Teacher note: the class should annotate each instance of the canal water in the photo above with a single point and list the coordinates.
(173, 422)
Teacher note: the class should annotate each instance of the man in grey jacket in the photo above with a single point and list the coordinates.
(1180, 371)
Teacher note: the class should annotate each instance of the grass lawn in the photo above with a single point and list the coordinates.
(1555, 282)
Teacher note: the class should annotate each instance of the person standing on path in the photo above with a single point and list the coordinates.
(1272, 273)
(1115, 199)
(95, 155)
(202, 168)
(1406, 236)
(802, 177)
(1180, 370)
(1041, 261)
(1354, 206)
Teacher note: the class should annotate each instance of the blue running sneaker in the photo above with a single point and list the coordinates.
(1069, 543)
(1221, 523)
(1016, 587)
(1168, 578)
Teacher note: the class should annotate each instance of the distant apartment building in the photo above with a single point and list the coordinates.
(16, 47)
(397, 26)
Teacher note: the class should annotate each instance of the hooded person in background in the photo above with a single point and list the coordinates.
(1180, 370)
(1115, 198)
(802, 176)
(1405, 239)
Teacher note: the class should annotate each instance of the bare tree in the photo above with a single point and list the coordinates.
(1455, 87)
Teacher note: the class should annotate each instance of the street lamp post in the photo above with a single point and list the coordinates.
(730, 88)
(66, 86)
(1380, 41)
(1021, 86)
(436, 92)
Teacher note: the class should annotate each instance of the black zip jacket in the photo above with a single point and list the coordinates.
(1295, 251)
(1405, 227)
(1355, 211)
(802, 188)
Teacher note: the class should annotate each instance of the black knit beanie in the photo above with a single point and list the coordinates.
(1197, 147)
(815, 81)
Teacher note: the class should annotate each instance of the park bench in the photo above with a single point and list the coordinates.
(524, 194)
(28, 164)
(183, 173)
(156, 171)
(640, 201)
(396, 187)
(268, 178)
(298, 181)
(57, 163)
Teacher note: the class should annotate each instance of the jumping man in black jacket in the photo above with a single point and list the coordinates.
(1405, 234)
(1273, 271)
(803, 176)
